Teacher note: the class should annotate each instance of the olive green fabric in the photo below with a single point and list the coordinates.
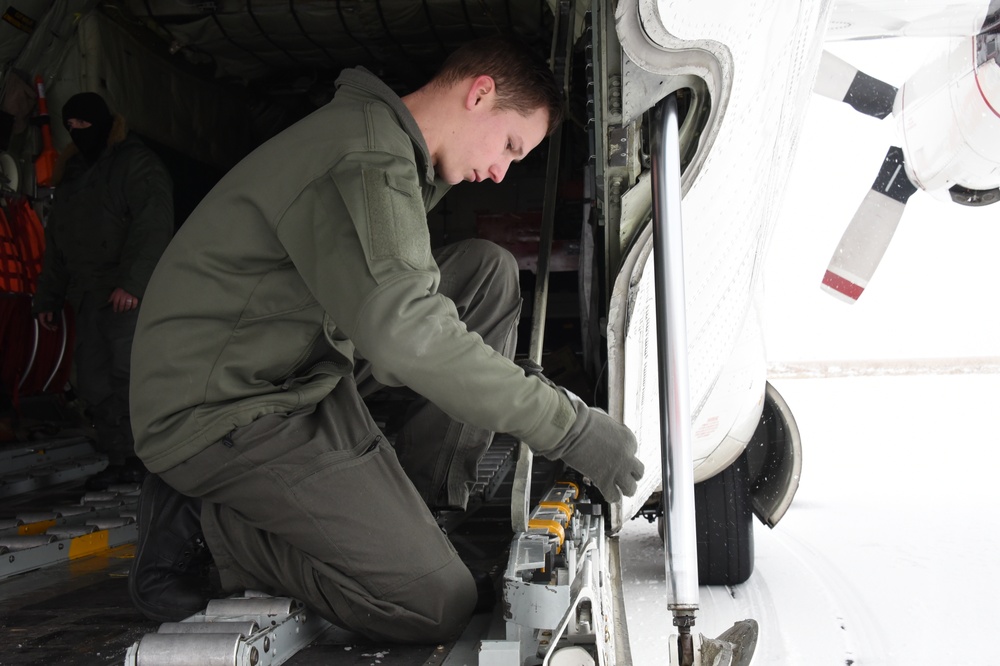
(440, 455)
(109, 224)
(312, 250)
(331, 520)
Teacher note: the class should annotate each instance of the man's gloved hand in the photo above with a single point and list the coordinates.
(601, 448)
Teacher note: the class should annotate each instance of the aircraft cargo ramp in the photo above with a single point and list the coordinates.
(64, 582)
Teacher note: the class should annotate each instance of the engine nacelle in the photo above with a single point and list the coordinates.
(948, 115)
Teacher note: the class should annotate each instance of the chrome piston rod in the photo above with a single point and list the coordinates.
(671, 343)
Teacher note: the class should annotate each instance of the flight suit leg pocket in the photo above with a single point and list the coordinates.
(362, 506)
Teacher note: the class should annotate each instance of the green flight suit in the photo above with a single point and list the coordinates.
(309, 263)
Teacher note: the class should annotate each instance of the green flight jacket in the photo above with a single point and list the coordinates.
(313, 248)
(109, 224)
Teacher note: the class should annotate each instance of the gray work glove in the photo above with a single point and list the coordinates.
(599, 447)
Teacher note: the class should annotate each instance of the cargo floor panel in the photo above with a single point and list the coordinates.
(77, 611)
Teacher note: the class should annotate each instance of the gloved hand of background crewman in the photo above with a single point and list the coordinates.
(599, 447)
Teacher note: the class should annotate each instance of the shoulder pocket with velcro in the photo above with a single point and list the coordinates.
(397, 221)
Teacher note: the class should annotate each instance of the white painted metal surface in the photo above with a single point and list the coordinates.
(730, 208)
(949, 120)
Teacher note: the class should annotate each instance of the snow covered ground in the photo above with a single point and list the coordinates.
(888, 554)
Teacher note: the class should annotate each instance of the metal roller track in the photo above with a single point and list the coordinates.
(253, 630)
(33, 539)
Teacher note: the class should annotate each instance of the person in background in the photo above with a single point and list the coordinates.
(292, 293)
(111, 219)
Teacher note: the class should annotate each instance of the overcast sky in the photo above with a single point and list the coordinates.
(934, 293)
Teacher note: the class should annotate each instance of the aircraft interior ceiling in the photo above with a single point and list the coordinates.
(278, 42)
(236, 73)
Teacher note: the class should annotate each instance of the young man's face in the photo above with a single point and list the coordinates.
(484, 144)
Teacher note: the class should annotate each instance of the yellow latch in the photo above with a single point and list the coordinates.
(553, 527)
(561, 506)
(575, 487)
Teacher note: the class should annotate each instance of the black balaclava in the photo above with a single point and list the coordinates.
(92, 108)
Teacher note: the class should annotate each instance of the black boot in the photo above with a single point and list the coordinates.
(168, 580)
(486, 589)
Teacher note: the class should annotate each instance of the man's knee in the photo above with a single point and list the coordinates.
(473, 259)
(496, 259)
(494, 255)
(440, 605)
(497, 277)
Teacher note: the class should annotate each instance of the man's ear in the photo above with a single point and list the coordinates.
(482, 89)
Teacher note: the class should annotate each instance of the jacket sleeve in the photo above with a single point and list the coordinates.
(54, 278)
(149, 193)
(359, 239)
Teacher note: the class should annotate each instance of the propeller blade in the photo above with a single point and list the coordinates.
(865, 241)
(841, 81)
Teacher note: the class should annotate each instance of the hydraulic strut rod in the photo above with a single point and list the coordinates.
(671, 343)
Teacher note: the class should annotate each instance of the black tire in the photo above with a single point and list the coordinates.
(724, 520)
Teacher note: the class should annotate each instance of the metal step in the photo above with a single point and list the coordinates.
(494, 467)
